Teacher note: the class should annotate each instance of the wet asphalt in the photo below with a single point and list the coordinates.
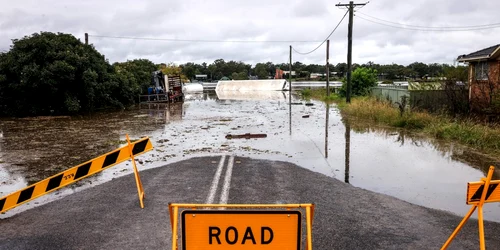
(108, 216)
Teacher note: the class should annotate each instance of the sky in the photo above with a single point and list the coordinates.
(235, 21)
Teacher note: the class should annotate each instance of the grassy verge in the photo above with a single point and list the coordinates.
(466, 132)
(320, 94)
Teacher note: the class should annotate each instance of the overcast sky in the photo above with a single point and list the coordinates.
(259, 20)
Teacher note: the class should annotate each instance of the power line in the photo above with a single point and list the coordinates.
(198, 40)
(426, 28)
(430, 27)
(325, 38)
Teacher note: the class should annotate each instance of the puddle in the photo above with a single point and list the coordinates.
(418, 170)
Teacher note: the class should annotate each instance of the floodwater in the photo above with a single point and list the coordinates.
(415, 169)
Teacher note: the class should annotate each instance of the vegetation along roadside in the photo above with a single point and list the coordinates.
(466, 131)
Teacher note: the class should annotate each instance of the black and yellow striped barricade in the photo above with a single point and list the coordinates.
(79, 172)
(478, 193)
(241, 226)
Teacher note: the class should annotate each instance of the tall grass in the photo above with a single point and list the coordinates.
(467, 132)
(320, 94)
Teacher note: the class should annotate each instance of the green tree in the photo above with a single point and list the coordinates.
(261, 71)
(420, 68)
(362, 80)
(139, 73)
(48, 73)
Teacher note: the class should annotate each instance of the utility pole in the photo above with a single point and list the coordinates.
(351, 6)
(327, 68)
(86, 38)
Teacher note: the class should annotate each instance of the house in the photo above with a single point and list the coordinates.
(484, 79)
(317, 75)
(279, 74)
(200, 77)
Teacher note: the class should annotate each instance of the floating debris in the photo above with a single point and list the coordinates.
(246, 136)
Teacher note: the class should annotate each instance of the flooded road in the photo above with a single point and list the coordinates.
(384, 160)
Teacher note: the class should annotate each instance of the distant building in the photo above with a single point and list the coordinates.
(317, 75)
(279, 74)
(200, 77)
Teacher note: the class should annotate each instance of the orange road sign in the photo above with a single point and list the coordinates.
(475, 190)
(229, 229)
(266, 226)
(77, 173)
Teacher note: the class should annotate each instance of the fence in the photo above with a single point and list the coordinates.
(431, 100)
(392, 93)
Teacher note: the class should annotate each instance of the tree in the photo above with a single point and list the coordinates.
(261, 71)
(139, 70)
(172, 70)
(362, 80)
(341, 69)
(50, 74)
(420, 68)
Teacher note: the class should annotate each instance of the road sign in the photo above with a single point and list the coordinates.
(475, 189)
(229, 229)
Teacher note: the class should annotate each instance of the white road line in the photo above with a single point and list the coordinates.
(227, 181)
(215, 182)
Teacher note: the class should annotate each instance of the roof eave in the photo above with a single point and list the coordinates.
(473, 59)
(495, 53)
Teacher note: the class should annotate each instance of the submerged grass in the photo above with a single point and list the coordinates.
(320, 94)
(466, 132)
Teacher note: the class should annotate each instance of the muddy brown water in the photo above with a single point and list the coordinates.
(416, 169)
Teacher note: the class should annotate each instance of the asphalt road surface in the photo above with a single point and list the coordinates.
(108, 216)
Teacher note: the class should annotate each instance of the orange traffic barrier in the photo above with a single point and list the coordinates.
(79, 172)
(478, 193)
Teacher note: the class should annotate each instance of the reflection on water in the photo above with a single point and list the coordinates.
(390, 161)
(347, 148)
(445, 149)
(327, 119)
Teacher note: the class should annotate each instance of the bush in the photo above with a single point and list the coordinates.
(362, 80)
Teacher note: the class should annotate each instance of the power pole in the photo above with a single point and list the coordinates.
(351, 6)
(327, 68)
(86, 38)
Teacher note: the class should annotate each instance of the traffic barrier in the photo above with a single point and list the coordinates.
(478, 193)
(266, 226)
(79, 172)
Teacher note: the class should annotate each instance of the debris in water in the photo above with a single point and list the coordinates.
(246, 136)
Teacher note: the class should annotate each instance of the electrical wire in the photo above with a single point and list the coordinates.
(421, 29)
(325, 38)
(197, 40)
(426, 28)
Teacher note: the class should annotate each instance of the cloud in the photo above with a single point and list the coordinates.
(257, 20)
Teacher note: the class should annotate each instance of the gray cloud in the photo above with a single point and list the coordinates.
(258, 20)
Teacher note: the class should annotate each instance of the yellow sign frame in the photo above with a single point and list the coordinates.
(174, 215)
(79, 172)
(473, 189)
